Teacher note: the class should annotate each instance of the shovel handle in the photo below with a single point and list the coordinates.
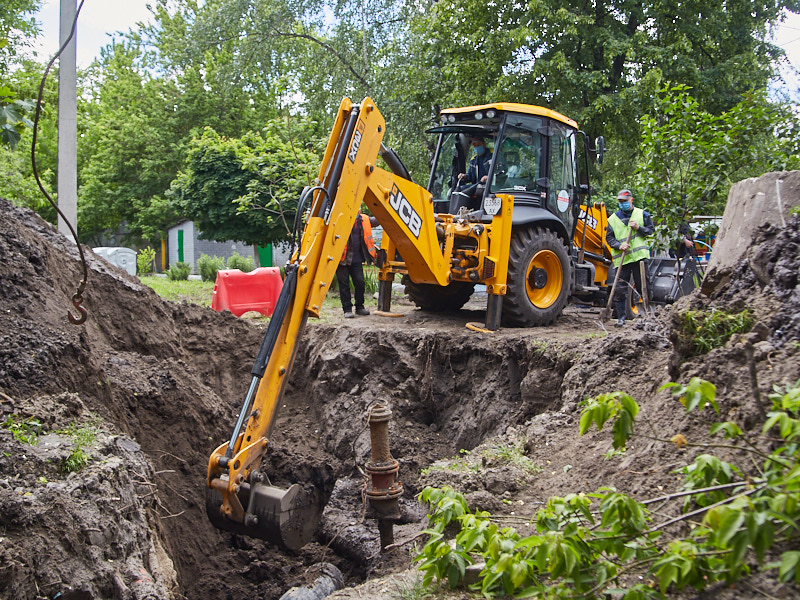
(619, 270)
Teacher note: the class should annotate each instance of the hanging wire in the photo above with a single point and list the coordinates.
(77, 297)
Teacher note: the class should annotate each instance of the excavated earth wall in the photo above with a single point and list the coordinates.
(160, 383)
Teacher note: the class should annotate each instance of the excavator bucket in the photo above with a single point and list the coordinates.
(286, 518)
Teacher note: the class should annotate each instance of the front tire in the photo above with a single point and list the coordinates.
(538, 278)
(437, 298)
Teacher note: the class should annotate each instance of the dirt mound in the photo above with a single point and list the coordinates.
(158, 385)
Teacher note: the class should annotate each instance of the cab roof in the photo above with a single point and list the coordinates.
(527, 109)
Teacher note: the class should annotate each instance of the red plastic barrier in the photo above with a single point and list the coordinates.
(241, 292)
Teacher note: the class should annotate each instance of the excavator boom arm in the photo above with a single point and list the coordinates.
(239, 498)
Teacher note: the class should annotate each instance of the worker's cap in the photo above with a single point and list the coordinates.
(625, 195)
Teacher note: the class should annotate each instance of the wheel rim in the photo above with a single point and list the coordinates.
(545, 295)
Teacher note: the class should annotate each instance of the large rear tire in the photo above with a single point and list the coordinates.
(438, 298)
(538, 278)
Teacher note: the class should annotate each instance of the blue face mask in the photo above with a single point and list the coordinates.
(479, 150)
(625, 206)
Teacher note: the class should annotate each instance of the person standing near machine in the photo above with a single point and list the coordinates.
(637, 223)
(360, 248)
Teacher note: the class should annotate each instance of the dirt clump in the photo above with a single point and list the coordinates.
(159, 385)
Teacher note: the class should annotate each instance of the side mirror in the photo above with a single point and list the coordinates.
(600, 145)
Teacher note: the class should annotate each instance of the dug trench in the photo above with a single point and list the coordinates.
(159, 384)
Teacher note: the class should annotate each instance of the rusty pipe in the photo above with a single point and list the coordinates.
(382, 488)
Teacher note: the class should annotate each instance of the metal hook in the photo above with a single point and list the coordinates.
(77, 300)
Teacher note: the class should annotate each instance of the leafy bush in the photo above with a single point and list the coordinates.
(585, 544)
(244, 264)
(145, 260)
(208, 266)
(179, 271)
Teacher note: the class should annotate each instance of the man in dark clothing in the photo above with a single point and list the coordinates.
(685, 244)
(476, 175)
(637, 223)
(360, 248)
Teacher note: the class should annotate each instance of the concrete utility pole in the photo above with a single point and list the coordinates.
(68, 121)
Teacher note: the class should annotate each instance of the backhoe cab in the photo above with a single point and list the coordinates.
(517, 241)
(534, 168)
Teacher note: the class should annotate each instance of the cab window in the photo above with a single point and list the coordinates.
(519, 159)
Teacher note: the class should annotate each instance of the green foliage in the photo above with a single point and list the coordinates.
(145, 260)
(495, 454)
(247, 188)
(17, 182)
(616, 405)
(17, 29)
(129, 157)
(26, 431)
(584, 543)
(179, 271)
(699, 392)
(413, 590)
(707, 330)
(511, 454)
(200, 65)
(13, 117)
(599, 67)
(207, 266)
(785, 412)
(690, 157)
(81, 437)
(243, 263)
(371, 281)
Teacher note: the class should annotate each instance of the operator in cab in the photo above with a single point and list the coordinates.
(473, 182)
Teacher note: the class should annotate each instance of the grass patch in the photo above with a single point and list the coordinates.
(190, 290)
(26, 431)
(82, 437)
(512, 454)
(712, 329)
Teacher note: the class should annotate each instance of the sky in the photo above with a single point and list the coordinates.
(100, 19)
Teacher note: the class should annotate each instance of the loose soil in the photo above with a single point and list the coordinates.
(160, 384)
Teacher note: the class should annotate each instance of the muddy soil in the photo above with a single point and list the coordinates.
(158, 386)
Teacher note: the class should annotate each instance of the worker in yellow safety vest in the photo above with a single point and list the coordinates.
(627, 255)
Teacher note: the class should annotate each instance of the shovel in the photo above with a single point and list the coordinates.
(605, 314)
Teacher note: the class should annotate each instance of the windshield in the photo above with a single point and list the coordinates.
(519, 159)
(447, 167)
(456, 155)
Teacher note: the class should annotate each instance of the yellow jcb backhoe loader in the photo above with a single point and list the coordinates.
(517, 240)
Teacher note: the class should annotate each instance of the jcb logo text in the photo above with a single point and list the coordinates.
(405, 211)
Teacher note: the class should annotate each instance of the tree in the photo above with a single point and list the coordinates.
(246, 189)
(690, 158)
(16, 31)
(17, 182)
(599, 63)
(130, 156)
